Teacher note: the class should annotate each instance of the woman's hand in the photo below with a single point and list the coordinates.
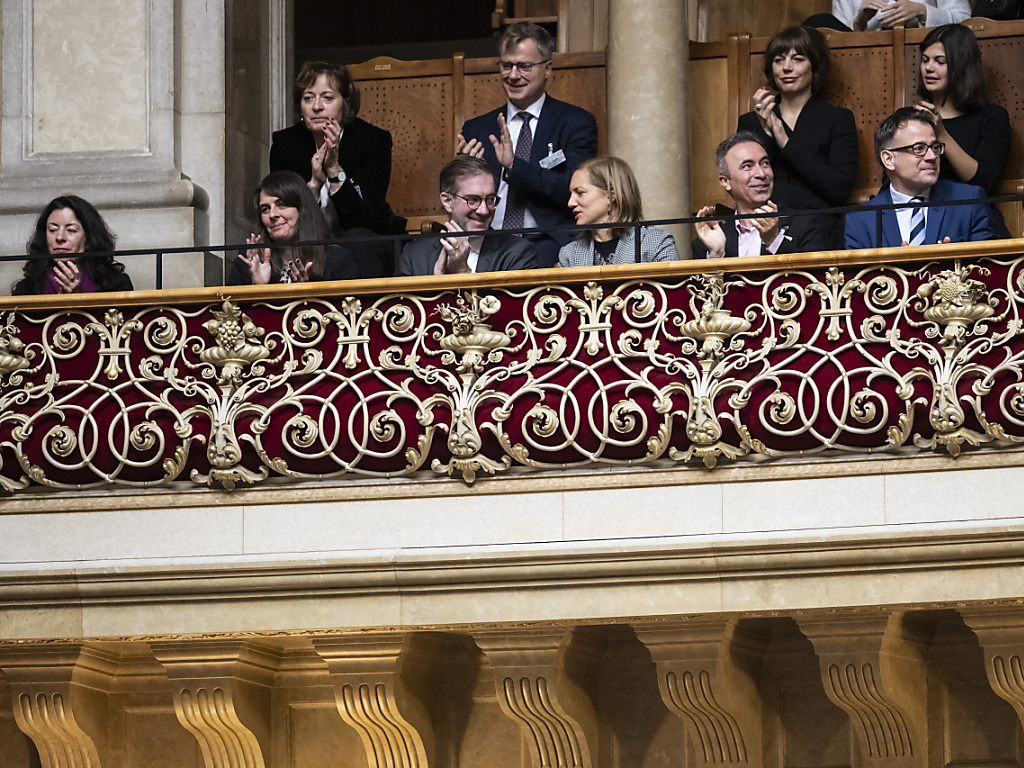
(931, 109)
(66, 276)
(771, 123)
(300, 272)
(258, 261)
(329, 149)
(902, 11)
(868, 8)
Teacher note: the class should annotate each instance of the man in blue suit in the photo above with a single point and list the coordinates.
(906, 145)
(533, 143)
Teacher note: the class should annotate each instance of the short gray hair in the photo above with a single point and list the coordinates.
(740, 137)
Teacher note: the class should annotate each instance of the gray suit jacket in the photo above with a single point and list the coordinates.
(498, 253)
(655, 245)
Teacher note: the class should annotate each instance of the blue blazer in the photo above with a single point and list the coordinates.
(565, 127)
(960, 223)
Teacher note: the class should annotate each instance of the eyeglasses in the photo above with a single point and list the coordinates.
(473, 201)
(920, 149)
(524, 67)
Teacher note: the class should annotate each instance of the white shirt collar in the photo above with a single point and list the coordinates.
(534, 109)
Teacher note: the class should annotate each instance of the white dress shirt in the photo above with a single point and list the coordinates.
(515, 125)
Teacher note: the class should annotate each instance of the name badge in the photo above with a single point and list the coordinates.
(553, 158)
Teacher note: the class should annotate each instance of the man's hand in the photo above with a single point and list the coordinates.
(503, 148)
(473, 147)
(454, 256)
(767, 228)
(711, 233)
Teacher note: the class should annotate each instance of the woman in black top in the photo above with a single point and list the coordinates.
(345, 160)
(289, 213)
(67, 233)
(952, 89)
(812, 145)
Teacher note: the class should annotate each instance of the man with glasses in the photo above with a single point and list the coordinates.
(906, 145)
(533, 143)
(467, 194)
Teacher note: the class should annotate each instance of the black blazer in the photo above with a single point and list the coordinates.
(803, 234)
(818, 166)
(365, 155)
(498, 253)
(565, 127)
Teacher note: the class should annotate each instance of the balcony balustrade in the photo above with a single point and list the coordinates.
(677, 364)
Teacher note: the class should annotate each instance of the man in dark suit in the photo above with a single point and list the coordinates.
(467, 194)
(534, 142)
(745, 172)
(906, 146)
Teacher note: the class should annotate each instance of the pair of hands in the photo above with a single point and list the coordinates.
(764, 107)
(454, 256)
(713, 236)
(67, 276)
(503, 148)
(258, 261)
(889, 13)
(324, 163)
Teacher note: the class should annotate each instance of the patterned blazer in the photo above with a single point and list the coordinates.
(655, 245)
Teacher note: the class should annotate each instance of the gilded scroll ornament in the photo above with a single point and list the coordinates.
(680, 369)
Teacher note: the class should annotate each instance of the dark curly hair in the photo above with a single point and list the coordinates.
(100, 268)
(292, 191)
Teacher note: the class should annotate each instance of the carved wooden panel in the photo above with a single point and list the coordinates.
(862, 81)
(418, 113)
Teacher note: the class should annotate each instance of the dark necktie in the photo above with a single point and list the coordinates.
(515, 210)
(917, 223)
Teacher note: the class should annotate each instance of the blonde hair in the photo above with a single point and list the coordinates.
(614, 176)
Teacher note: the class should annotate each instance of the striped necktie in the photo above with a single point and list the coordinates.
(917, 223)
(515, 210)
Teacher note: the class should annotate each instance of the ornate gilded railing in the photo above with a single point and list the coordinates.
(658, 364)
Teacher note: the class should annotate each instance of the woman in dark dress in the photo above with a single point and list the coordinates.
(288, 212)
(67, 232)
(952, 89)
(812, 145)
(345, 160)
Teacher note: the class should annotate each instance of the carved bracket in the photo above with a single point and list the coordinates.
(537, 676)
(707, 671)
(381, 692)
(872, 667)
(221, 696)
(999, 633)
(59, 696)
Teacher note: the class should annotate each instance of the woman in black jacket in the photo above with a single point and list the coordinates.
(812, 145)
(345, 160)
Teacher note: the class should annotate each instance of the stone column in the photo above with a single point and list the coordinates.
(648, 105)
(121, 104)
